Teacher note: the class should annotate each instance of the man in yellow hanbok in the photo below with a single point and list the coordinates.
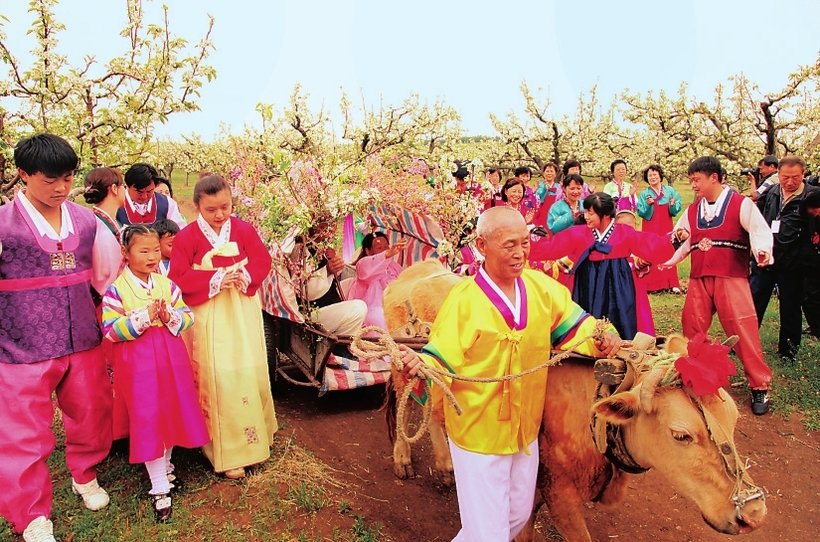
(504, 320)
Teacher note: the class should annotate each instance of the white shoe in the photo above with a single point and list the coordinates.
(39, 530)
(93, 495)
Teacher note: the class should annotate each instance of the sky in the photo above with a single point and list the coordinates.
(472, 54)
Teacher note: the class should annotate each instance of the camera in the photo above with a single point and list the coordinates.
(754, 171)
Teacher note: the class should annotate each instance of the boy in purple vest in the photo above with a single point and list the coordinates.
(721, 229)
(52, 252)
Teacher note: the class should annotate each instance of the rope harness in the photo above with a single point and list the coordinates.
(384, 345)
(637, 358)
(744, 489)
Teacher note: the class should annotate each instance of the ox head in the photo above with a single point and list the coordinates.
(690, 440)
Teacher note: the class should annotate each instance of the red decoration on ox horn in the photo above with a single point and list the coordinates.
(708, 366)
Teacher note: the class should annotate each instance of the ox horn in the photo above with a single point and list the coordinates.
(730, 341)
(648, 385)
(676, 344)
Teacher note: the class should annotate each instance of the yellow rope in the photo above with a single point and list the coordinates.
(665, 360)
(384, 345)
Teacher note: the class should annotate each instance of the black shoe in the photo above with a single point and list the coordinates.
(760, 402)
(162, 507)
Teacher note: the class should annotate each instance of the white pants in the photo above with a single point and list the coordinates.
(495, 493)
(344, 318)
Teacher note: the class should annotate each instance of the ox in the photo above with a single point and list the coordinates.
(411, 303)
(689, 439)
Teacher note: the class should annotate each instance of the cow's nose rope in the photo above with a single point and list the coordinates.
(384, 345)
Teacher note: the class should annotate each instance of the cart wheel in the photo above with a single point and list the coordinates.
(271, 343)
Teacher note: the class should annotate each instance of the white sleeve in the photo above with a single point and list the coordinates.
(683, 251)
(140, 320)
(106, 258)
(760, 234)
(215, 284)
(318, 283)
(174, 323)
(174, 213)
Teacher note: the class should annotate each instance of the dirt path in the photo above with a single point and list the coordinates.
(346, 431)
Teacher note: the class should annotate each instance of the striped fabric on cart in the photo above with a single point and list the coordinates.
(421, 231)
(347, 374)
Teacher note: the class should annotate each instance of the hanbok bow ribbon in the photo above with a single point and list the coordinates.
(229, 249)
(514, 338)
(599, 246)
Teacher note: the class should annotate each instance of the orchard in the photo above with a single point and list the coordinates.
(298, 165)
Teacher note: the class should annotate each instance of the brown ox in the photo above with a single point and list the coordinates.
(411, 303)
(662, 427)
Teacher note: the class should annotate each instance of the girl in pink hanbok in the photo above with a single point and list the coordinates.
(375, 269)
(143, 315)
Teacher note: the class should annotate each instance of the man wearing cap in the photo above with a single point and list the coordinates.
(504, 320)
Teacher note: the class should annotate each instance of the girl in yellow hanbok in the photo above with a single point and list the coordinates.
(219, 262)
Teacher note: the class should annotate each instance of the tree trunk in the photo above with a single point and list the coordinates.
(771, 130)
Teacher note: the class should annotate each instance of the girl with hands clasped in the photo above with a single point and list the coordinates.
(219, 261)
(143, 314)
(235, 279)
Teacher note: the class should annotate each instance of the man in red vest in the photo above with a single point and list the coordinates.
(142, 204)
(721, 230)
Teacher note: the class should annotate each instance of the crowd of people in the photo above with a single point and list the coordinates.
(129, 288)
(763, 244)
(723, 231)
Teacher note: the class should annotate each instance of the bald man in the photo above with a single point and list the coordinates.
(504, 320)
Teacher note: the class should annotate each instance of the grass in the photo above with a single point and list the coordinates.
(277, 501)
(308, 498)
(363, 533)
(183, 184)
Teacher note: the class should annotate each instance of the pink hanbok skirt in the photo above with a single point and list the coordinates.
(157, 384)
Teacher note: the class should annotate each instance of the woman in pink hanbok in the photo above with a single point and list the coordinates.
(604, 284)
(375, 269)
(657, 206)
